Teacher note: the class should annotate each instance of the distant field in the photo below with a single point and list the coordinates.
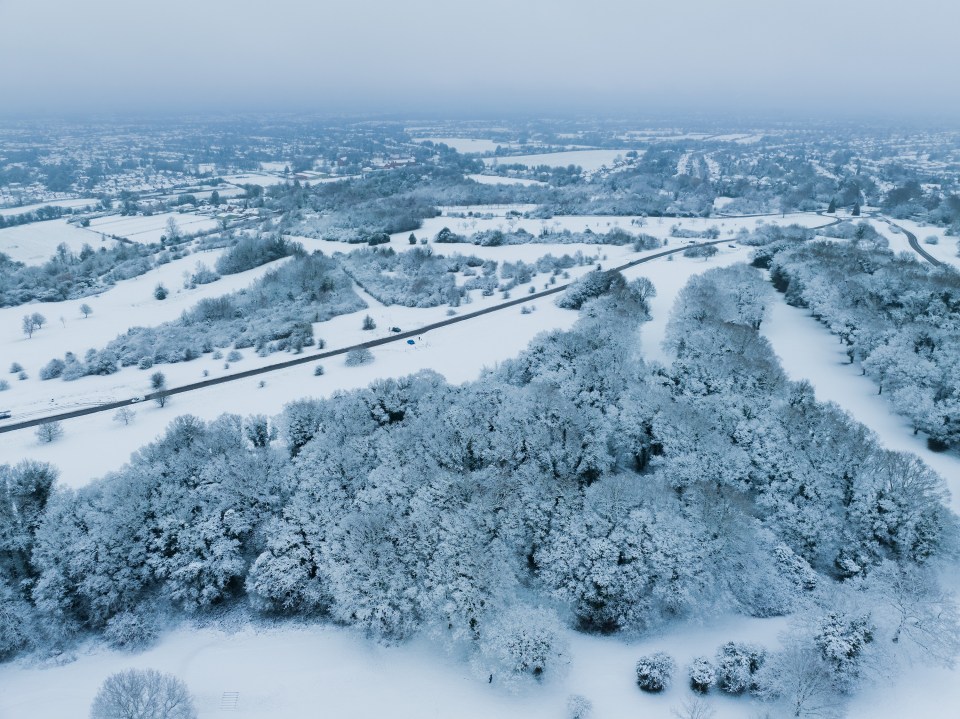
(36, 242)
(150, 229)
(495, 180)
(10, 211)
(462, 144)
(589, 160)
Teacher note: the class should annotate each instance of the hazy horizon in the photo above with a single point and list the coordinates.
(424, 57)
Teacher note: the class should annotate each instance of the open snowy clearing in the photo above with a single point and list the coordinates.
(148, 229)
(36, 242)
(288, 672)
(589, 160)
(254, 178)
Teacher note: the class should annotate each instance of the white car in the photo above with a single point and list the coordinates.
(134, 400)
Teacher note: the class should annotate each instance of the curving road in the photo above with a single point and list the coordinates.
(305, 358)
(912, 239)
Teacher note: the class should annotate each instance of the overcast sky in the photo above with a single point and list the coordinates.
(818, 57)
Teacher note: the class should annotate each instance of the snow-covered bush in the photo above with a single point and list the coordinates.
(579, 707)
(49, 432)
(15, 368)
(131, 630)
(4, 385)
(234, 356)
(655, 671)
(523, 643)
(736, 665)
(52, 370)
(318, 370)
(702, 675)
(359, 356)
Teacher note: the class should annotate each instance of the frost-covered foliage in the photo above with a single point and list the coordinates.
(655, 672)
(415, 278)
(702, 675)
(574, 476)
(899, 318)
(579, 707)
(736, 667)
(600, 282)
(131, 630)
(358, 356)
(143, 694)
(67, 275)
(523, 643)
(250, 252)
(275, 313)
(496, 238)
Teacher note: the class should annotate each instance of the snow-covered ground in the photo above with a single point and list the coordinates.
(289, 672)
(151, 228)
(36, 242)
(497, 180)
(255, 178)
(589, 160)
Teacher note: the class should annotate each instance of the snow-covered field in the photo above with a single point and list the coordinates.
(147, 229)
(288, 672)
(589, 160)
(497, 180)
(255, 178)
(36, 242)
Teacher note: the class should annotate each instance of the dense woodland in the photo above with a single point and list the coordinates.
(899, 319)
(573, 485)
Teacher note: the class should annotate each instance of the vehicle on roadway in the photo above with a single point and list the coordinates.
(134, 400)
(5, 414)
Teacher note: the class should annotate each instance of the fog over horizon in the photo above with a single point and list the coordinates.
(852, 59)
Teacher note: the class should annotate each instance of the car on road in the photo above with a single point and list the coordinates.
(137, 398)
